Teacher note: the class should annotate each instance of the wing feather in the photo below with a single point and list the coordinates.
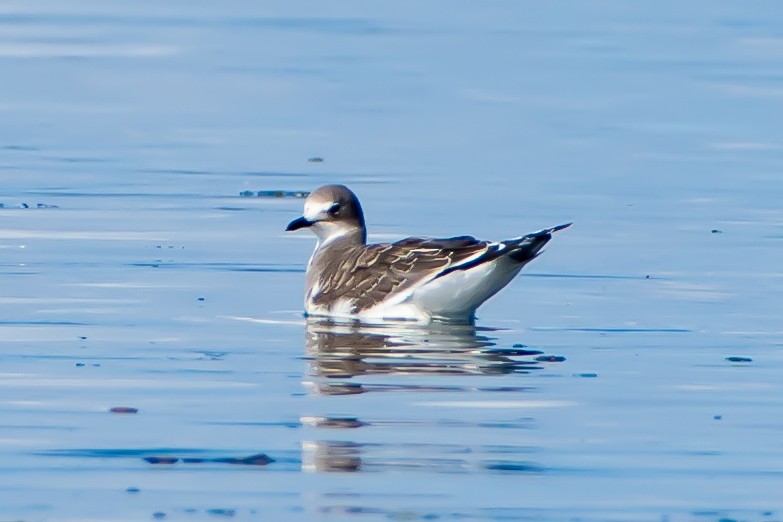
(367, 275)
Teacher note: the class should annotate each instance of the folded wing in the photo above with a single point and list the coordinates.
(371, 274)
(367, 275)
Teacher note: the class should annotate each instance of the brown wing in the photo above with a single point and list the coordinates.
(368, 275)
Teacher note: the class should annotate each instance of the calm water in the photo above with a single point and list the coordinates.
(595, 387)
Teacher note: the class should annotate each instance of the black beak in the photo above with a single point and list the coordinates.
(297, 224)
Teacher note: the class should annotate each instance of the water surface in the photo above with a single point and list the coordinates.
(597, 386)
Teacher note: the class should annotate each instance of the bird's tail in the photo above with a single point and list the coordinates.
(530, 245)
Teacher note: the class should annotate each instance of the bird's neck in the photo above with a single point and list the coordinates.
(337, 243)
(342, 236)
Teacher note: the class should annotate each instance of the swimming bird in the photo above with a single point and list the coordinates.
(419, 279)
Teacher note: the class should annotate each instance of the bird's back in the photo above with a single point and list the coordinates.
(415, 278)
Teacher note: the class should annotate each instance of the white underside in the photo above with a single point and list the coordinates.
(453, 297)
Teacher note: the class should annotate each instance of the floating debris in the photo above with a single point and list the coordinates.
(717, 417)
(20, 148)
(221, 512)
(315, 159)
(333, 422)
(716, 231)
(28, 205)
(274, 194)
(158, 515)
(124, 409)
(735, 358)
(212, 356)
(79, 365)
(132, 490)
(518, 350)
(550, 358)
(259, 459)
(161, 460)
(585, 375)
(343, 388)
(509, 466)
(200, 299)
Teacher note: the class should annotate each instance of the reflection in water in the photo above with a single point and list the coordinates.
(451, 356)
(322, 455)
(347, 456)
(342, 351)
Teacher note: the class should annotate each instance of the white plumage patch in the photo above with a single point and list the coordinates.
(394, 312)
(314, 290)
(342, 308)
(457, 295)
(314, 209)
(453, 297)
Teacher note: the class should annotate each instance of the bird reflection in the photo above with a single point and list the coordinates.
(344, 456)
(340, 351)
(339, 355)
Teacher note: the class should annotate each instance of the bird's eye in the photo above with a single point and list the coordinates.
(334, 209)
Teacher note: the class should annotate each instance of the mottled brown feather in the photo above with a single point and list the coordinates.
(365, 275)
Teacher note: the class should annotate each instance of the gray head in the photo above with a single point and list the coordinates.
(332, 211)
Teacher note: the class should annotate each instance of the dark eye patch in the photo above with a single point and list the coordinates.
(334, 209)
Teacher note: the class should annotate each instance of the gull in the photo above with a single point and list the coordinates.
(415, 279)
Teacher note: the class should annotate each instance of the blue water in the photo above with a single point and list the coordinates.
(138, 276)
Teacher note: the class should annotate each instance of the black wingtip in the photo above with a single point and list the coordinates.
(560, 227)
(529, 246)
(548, 231)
